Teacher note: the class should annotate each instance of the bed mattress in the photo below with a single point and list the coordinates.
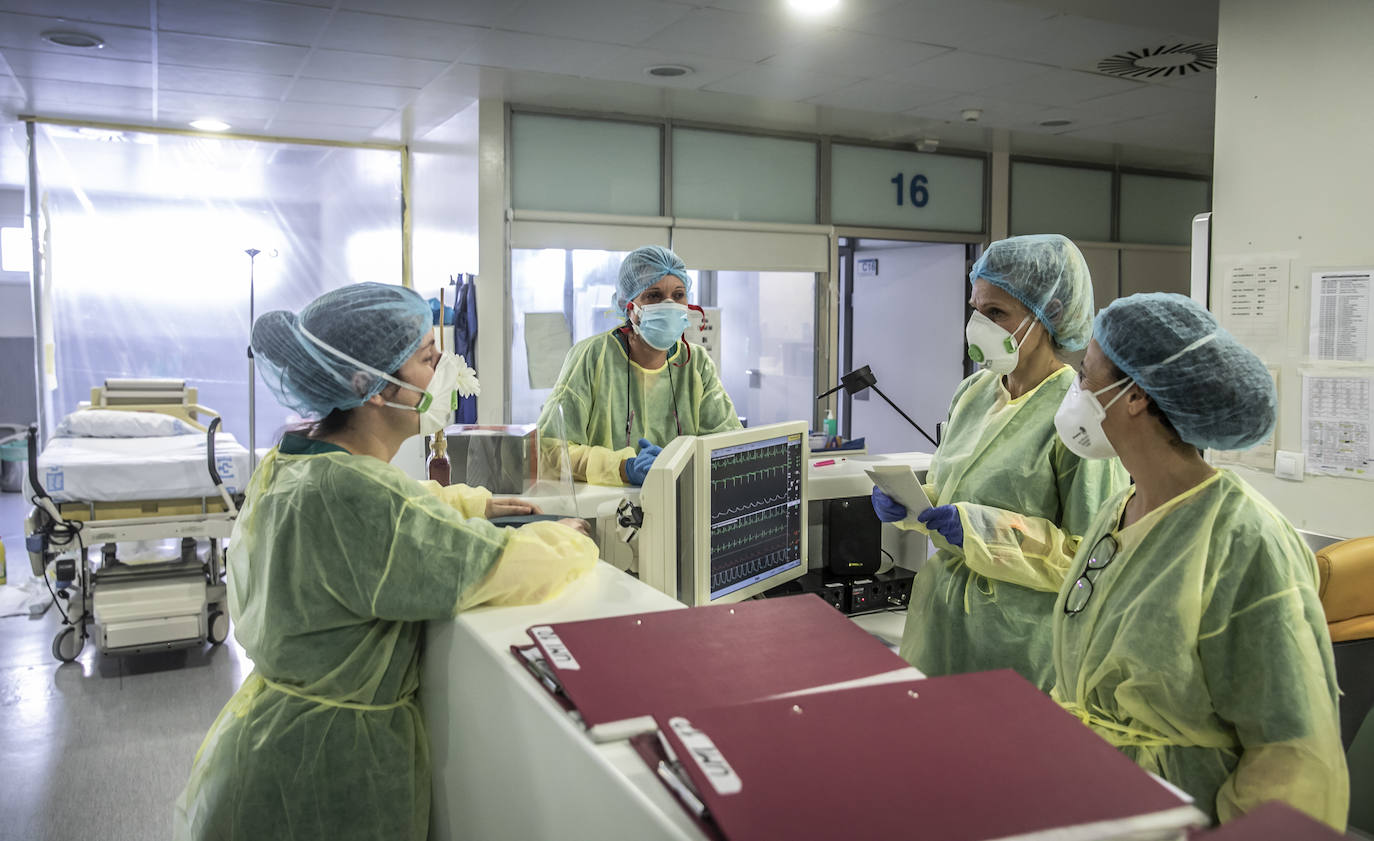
(124, 469)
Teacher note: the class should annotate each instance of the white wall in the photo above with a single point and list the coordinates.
(1292, 178)
(909, 328)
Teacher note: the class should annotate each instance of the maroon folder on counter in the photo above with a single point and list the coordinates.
(616, 671)
(964, 758)
(1273, 821)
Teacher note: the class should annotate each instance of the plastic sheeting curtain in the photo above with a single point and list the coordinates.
(145, 253)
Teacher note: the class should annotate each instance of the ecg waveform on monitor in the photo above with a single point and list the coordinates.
(755, 513)
(749, 481)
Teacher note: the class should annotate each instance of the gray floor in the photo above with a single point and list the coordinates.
(98, 748)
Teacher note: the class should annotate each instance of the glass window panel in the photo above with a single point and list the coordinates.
(1072, 201)
(717, 175)
(768, 343)
(1160, 210)
(591, 166)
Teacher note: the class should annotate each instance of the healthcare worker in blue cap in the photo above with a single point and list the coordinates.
(624, 394)
(336, 561)
(1011, 500)
(1189, 632)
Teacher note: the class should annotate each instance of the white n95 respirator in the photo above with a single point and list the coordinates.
(991, 346)
(1079, 420)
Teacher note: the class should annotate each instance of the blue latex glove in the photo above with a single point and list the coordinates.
(638, 467)
(888, 509)
(945, 520)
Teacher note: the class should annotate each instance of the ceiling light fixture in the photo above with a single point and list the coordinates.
(76, 40)
(668, 71)
(813, 7)
(209, 124)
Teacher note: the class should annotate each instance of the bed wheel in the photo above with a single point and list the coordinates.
(218, 627)
(67, 645)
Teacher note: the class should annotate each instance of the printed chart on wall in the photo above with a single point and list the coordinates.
(1260, 456)
(1257, 305)
(1337, 421)
(1340, 315)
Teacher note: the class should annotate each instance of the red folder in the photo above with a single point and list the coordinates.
(623, 668)
(1273, 821)
(963, 758)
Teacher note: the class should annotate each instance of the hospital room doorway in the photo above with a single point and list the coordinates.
(903, 306)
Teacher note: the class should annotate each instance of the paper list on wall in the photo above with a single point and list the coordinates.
(1338, 420)
(1340, 315)
(1260, 456)
(1257, 302)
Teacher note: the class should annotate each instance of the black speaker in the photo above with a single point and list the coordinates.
(852, 535)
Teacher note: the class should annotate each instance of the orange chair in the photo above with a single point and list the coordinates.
(1347, 595)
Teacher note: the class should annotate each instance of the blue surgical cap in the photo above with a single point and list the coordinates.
(1048, 274)
(376, 324)
(644, 267)
(1214, 390)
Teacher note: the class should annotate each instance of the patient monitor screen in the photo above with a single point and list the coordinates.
(756, 499)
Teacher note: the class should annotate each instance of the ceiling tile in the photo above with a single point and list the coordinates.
(1149, 131)
(1061, 87)
(1197, 18)
(611, 21)
(182, 119)
(339, 115)
(997, 113)
(851, 54)
(350, 93)
(1150, 100)
(318, 131)
(46, 93)
(79, 68)
(877, 95)
(254, 21)
(375, 69)
(848, 10)
(1071, 41)
(471, 12)
(227, 108)
(963, 72)
(406, 37)
(228, 54)
(23, 32)
(80, 11)
(724, 34)
(628, 66)
(952, 23)
(223, 82)
(772, 83)
(537, 52)
(10, 88)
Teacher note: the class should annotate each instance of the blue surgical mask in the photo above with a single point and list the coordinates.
(661, 325)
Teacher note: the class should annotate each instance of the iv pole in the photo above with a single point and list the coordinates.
(252, 368)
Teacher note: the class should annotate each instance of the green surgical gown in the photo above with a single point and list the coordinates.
(1023, 500)
(600, 388)
(1203, 653)
(335, 562)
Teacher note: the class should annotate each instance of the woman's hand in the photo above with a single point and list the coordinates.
(510, 507)
(579, 526)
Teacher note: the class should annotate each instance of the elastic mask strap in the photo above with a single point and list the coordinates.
(350, 360)
(1112, 386)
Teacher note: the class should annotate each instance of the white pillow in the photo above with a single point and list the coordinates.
(112, 423)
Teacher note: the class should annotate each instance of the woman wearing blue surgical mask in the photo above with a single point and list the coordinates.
(624, 394)
(1189, 632)
(1011, 500)
(336, 561)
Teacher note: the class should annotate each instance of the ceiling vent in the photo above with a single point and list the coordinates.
(1166, 62)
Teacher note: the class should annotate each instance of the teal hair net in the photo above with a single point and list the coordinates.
(644, 267)
(376, 324)
(1214, 390)
(1048, 274)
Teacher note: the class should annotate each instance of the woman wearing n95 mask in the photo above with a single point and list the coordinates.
(1010, 499)
(336, 561)
(1189, 632)
(624, 394)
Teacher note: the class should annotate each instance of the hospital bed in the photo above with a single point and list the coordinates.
(109, 493)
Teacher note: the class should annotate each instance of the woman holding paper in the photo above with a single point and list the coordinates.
(623, 395)
(1010, 499)
(1189, 632)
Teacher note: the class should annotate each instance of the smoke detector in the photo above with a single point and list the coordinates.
(927, 144)
(972, 115)
(1170, 60)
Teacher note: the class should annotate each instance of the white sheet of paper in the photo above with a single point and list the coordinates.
(1257, 303)
(1341, 310)
(1338, 424)
(547, 342)
(899, 482)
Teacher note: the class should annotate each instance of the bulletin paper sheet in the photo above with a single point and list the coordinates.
(1257, 303)
(1338, 418)
(1340, 315)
